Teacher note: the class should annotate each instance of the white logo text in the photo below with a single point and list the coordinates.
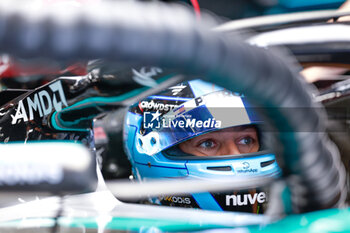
(41, 102)
(239, 200)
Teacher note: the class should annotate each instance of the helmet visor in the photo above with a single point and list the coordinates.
(212, 112)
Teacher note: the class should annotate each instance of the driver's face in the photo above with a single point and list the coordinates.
(230, 141)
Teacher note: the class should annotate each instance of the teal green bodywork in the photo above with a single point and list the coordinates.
(325, 221)
(95, 102)
(112, 223)
(331, 220)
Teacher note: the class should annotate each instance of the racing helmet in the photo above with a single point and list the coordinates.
(155, 127)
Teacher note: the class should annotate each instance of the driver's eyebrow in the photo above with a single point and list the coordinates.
(232, 129)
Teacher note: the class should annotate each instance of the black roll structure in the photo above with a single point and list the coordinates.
(171, 36)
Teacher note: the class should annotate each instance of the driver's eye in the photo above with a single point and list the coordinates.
(207, 144)
(246, 141)
(246, 144)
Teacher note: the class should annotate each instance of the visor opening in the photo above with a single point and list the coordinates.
(221, 168)
(267, 163)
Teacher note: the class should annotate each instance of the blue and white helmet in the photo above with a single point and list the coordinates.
(155, 126)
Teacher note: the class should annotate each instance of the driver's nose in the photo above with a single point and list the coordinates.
(228, 147)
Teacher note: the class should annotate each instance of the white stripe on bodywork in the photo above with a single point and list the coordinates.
(310, 34)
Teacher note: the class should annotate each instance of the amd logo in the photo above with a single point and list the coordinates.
(239, 200)
(42, 102)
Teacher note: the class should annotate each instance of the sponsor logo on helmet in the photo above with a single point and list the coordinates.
(43, 102)
(251, 170)
(246, 168)
(245, 199)
(157, 106)
(152, 120)
(177, 89)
